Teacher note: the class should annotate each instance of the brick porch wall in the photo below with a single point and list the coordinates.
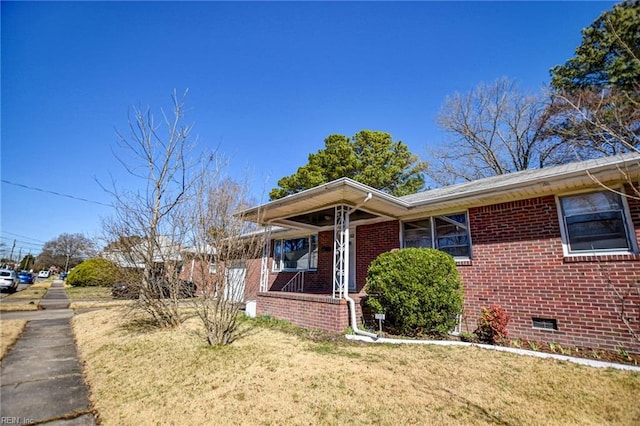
(314, 311)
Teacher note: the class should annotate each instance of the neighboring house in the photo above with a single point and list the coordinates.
(554, 247)
(196, 265)
(165, 255)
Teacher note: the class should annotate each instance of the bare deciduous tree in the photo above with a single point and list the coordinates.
(595, 122)
(222, 247)
(146, 228)
(495, 129)
(179, 227)
(67, 250)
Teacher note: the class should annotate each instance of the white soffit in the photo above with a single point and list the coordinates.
(593, 174)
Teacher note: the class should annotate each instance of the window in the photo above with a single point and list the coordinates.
(212, 267)
(448, 233)
(296, 254)
(545, 323)
(595, 221)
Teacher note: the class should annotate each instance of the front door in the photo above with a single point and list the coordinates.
(352, 260)
(235, 280)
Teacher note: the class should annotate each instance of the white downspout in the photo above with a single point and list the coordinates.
(345, 287)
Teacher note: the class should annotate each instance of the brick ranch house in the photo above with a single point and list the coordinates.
(554, 247)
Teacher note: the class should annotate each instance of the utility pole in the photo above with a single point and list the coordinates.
(12, 248)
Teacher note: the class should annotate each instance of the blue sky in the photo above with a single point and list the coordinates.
(267, 82)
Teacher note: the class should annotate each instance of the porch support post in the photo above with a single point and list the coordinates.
(264, 266)
(340, 251)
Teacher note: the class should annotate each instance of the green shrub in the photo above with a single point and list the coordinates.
(419, 290)
(93, 272)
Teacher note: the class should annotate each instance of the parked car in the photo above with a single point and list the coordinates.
(44, 273)
(25, 277)
(8, 280)
(126, 291)
(63, 275)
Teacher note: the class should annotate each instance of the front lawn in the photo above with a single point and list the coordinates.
(88, 292)
(140, 375)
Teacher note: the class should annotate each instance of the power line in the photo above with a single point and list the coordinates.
(23, 247)
(26, 243)
(24, 236)
(56, 193)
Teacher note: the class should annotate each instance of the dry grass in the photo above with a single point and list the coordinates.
(27, 299)
(143, 376)
(10, 330)
(14, 307)
(89, 292)
(98, 304)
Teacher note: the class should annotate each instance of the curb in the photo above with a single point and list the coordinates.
(575, 360)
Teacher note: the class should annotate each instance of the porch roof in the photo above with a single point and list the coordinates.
(312, 208)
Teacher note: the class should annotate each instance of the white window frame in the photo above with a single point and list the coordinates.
(433, 236)
(628, 225)
(278, 264)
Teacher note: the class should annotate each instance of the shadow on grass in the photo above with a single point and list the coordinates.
(479, 411)
(141, 324)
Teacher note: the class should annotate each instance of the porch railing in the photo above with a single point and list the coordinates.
(295, 284)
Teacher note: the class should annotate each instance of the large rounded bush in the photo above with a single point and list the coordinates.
(93, 272)
(419, 290)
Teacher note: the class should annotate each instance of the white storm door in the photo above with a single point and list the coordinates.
(234, 287)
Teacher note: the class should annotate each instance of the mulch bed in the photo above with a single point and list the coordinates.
(621, 356)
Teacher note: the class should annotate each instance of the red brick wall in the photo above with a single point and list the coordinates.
(252, 280)
(371, 241)
(198, 272)
(305, 310)
(518, 263)
(200, 276)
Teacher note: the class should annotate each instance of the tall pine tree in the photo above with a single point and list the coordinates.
(369, 157)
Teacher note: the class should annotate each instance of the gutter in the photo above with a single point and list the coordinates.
(540, 182)
(345, 287)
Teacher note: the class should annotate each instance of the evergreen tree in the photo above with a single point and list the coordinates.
(608, 55)
(369, 157)
(596, 94)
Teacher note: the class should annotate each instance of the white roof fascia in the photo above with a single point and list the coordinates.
(309, 194)
(531, 183)
(492, 190)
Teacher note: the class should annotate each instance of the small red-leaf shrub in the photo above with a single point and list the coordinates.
(492, 324)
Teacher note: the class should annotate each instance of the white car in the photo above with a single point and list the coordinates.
(44, 274)
(8, 280)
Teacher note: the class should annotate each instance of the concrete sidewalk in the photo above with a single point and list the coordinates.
(41, 377)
